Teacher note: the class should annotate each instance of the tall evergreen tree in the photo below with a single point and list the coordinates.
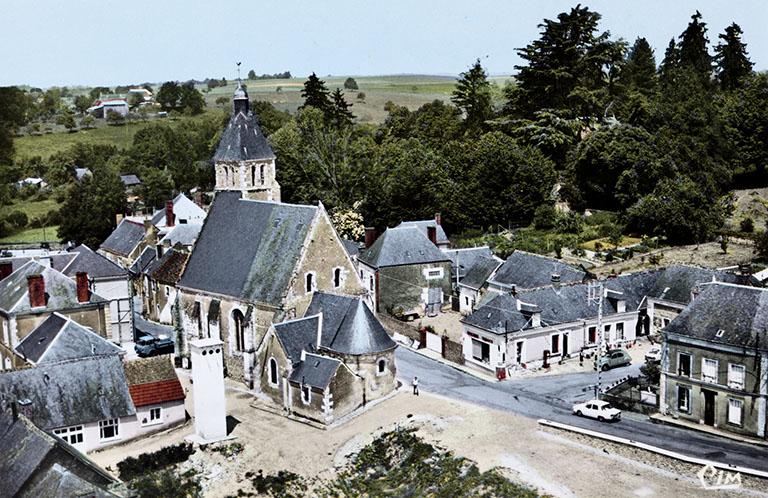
(315, 94)
(566, 66)
(473, 96)
(733, 64)
(671, 60)
(339, 113)
(639, 70)
(693, 47)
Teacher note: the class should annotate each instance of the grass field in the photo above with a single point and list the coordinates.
(47, 234)
(33, 209)
(625, 241)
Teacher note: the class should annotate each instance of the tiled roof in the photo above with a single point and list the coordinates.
(298, 335)
(402, 246)
(248, 249)
(465, 259)
(152, 381)
(130, 180)
(243, 140)
(170, 267)
(143, 260)
(125, 238)
(185, 234)
(316, 371)
(154, 393)
(525, 270)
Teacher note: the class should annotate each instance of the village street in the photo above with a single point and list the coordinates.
(551, 397)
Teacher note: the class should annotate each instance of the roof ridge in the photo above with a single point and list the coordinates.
(342, 322)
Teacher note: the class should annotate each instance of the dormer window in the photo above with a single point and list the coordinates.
(720, 333)
(309, 282)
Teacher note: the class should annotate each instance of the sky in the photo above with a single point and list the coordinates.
(103, 42)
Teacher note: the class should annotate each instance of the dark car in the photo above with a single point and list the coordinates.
(148, 345)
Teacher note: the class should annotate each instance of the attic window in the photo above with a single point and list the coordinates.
(720, 333)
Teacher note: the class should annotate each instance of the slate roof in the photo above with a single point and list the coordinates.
(143, 261)
(180, 203)
(402, 246)
(29, 460)
(169, 268)
(243, 140)
(737, 314)
(248, 249)
(676, 282)
(297, 335)
(316, 371)
(465, 258)
(526, 270)
(422, 225)
(97, 266)
(499, 315)
(185, 235)
(125, 238)
(477, 274)
(352, 247)
(349, 327)
(71, 392)
(130, 180)
(59, 338)
(61, 291)
(152, 381)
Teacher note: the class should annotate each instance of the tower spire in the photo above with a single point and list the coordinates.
(239, 81)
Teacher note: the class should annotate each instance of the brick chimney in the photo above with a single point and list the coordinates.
(438, 219)
(25, 407)
(199, 198)
(432, 234)
(370, 236)
(170, 216)
(36, 287)
(83, 292)
(6, 268)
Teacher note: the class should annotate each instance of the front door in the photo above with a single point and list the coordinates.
(565, 344)
(709, 407)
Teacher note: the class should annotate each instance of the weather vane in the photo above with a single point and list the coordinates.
(238, 72)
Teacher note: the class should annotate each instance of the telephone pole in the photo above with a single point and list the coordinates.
(595, 293)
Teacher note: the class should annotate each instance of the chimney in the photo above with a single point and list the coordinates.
(432, 234)
(370, 236)
(6, 268)
(438, 219)
(158, 250)
(118, 218)
(36, 288)
(25, 407)
(83, 292)
(170, 217)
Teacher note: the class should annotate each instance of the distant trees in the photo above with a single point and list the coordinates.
(350, 84)
(339, 114)
(115, 118)
(82, 103)
(97, 92)
(67, 119)
(316, 94)
(181, 98)
(733, 65)
(473, 96)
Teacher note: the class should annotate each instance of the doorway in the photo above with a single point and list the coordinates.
(565, 344)
(709, 407)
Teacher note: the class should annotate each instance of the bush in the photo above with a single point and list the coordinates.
(350, 84)
(747, 225)
(17, 219)
(544, 217)
(568, 223)
(167, 483)
(131, 467)
(361, 96)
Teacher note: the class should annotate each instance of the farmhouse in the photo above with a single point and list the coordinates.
(335, 359)
(715, 360)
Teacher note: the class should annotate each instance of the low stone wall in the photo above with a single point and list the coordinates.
(395, 326)
(453, 351)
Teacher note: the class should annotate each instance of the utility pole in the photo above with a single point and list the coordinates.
(595, 293)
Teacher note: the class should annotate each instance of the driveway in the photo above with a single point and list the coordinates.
(551, 397)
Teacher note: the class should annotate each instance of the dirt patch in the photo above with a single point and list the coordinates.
(749, 203)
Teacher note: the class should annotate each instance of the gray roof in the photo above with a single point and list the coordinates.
(499, 315)
(465, 258)
(352, 247)
(60, 290)
(726, 314)
(243, 140)
(41, 465)
(526, 270)
(185, 234)
(81, 173)
(71, 392)
(97, 266)
(125, 238)
(143, 260)
(248, 249)
(316, 371)
(423, 224)
(479, 271)
(402, 246)
(298, 335)
(59, 338)
(676, 282)
(349, 327)
(130, 180)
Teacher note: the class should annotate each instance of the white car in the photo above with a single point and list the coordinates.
(653, 355)
(601, 410)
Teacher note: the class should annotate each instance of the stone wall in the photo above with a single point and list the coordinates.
(402, 286)
(453, 351)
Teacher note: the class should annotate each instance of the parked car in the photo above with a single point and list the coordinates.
(614, 358)
(600, 410)
(653, 356)
(148, 345)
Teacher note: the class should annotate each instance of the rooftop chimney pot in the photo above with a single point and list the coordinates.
(432, 234)
(6, 268)
(170, 216)
(36, 289)
(370, 236)
(83, 292)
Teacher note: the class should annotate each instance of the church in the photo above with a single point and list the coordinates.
(257, 261)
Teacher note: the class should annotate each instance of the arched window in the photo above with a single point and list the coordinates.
(337, 277)
(309, 282)
(261, 174)
(273, 371)
(253, 174)
(238, 328)
(381, 366)
(226, 175)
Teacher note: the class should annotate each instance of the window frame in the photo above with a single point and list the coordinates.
(438, 273)
(690, 364)
(154, 421)
(338, 277)
(740, 403)
(73, 431)
(381, 370)
(704, 377)
(276, 371)
(109, 423)
(310, 282)
(306, 394)
(731, 383)
(687, 408)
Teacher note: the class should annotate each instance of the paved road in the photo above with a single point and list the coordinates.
(551, 397)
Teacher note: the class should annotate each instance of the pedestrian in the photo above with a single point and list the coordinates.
(415, 386)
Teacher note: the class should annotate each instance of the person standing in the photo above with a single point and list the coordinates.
(415, 386)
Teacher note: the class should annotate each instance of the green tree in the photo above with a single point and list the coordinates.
(746, 124)
(88, 121)
(639, 70)
(169, 96)
(270, 119)
(733, 64)
(88, 213)
(473, 96)
(339, 113)
(316, 94)
(434, 123)
(67, 120)
(350, 84)
(251, 74)
(568, 67)
(671, 60)
(82, 103)
(156, 188)
(115, 118)
(693, 47)
(190, 100)
(98, 91)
